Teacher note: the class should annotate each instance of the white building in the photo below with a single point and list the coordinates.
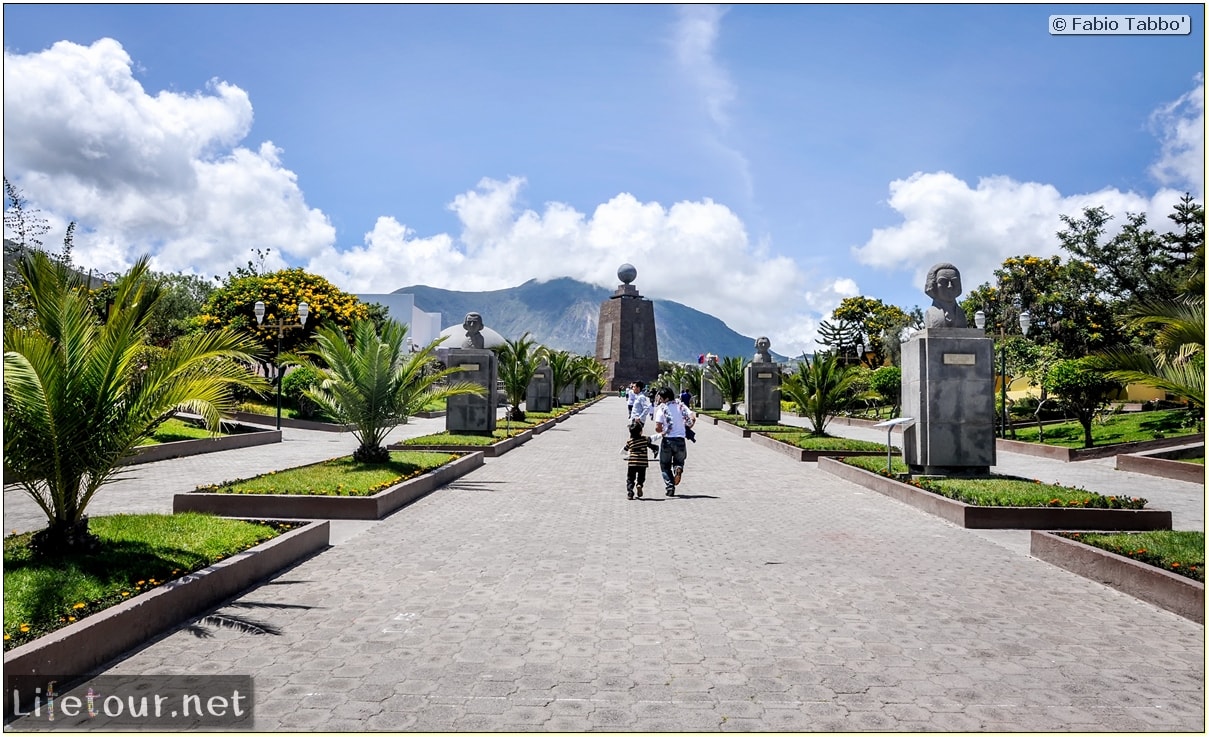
(422, 327)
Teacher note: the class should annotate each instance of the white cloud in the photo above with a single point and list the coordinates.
(1180, 127)
(156, 173)
(695, 253)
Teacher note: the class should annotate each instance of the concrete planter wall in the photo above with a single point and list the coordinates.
(1001, 518)
(805, 455)
(1059, 453)
(489, 451)
(290, 422)
(1162, 588)
(1166, 463)
(86, 645)
(300, 506)
(181, 448)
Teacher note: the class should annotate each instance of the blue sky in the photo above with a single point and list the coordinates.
(756, 162)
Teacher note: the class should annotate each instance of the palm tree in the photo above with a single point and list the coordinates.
(562, 370)
(518, 362)
(79, 394)
(375, 383)
(727, 375)
(821, 387)
(590, 373)
(1176, 363)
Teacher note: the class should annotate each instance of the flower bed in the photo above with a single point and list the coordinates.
(84, 646)
(310, 506)
(1001, 517)
(1175, 593)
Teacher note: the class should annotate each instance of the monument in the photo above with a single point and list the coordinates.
(470, 413)
(762, 387)
(539, 396)
(625, 334)
(948, 386)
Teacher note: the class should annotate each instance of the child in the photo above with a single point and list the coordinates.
(636, 449)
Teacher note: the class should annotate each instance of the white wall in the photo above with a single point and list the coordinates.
(422, 327)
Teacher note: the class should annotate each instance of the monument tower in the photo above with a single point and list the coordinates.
(625, 335)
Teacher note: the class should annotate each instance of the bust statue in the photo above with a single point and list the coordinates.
(474, 330)
(762, 354)
(943, 285)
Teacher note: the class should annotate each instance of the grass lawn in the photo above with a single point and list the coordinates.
(477, 441)
(139, 552)
(1122, 428)
(338, 476)
(174, 430)
(270, 409)
(828, 442)
(1177, 551)
(1000, 491)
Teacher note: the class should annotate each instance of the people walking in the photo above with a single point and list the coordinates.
(671, 421)
(640, 409)
(637, 450)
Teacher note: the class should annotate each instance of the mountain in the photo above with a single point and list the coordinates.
(563, 314)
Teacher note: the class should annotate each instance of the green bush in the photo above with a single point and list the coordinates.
(293, 390)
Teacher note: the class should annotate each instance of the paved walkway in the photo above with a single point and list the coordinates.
(531, 595)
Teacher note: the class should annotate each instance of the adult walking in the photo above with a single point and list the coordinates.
(640, 408)
(671, 422)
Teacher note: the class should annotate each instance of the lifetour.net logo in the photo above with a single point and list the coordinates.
(38, 703)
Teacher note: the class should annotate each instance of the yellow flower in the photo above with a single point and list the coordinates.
(79, 605)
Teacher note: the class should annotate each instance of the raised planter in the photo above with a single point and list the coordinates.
(802, 454)
(1162, 588)
(1001, 518)
(290, 422)
(84, 646)
(248, 438)
(1059, 453)
(490, 451)
(1166, 464)
(733, 428)
(544, 426)
(431, 414)
(310, 506)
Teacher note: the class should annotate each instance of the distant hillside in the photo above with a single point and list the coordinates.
(563, 314)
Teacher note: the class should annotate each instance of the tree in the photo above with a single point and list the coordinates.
(879, 325)
(27, 227)
(821, 387)
(232, 305)
(886, 381)
(562, 370)
(375, 383)
(184, 297)
(590, 373)
(1081, 391)
(1062, 298)
(1185, 246)
(518, 362)
(24, 222)
(80, 394)
(727, 376)
(1176, 361)
(1136, 265)
(841, 338)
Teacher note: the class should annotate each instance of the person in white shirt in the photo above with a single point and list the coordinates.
(641, 406)
(671, 422)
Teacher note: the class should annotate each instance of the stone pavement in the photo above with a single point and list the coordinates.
(530, 595)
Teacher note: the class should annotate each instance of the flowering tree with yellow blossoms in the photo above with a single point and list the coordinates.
(232, 305)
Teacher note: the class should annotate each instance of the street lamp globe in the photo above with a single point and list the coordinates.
(258, 309)
(980, 319)
(1026, 319)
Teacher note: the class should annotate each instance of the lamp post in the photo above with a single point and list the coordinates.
(980, 321)
(303, 311)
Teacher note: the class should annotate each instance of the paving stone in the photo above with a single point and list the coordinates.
(529, 596)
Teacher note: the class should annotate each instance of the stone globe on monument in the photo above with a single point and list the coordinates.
(625, 334)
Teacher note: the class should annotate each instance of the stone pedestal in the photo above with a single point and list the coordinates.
(468, 413)
(567, 395)
(762, 393)
(625, 338)
(711, 398)
(539, 397)
(948, 386)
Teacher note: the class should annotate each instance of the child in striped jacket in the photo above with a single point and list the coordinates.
(637, 449)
